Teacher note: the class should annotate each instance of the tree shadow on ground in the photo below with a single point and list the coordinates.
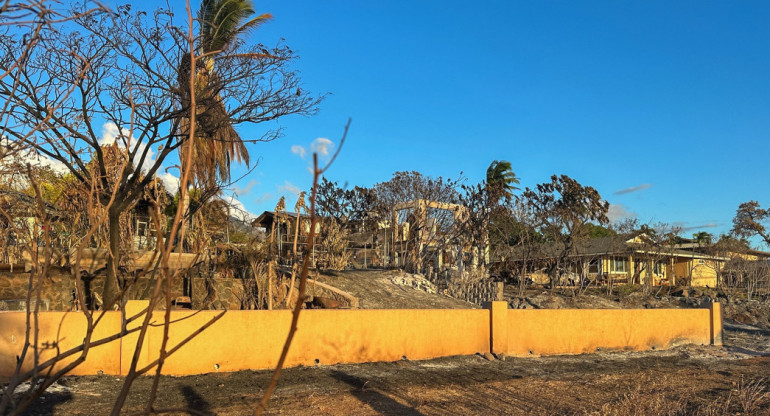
(195, 401)
(46, 404)
(379, 402)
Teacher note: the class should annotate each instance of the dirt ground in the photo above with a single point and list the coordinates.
(685, 380)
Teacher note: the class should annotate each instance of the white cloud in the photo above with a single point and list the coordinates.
(33, 157)
(617, 212)
(289, 187)
(36, 159)
(322, 146)
(298, 150)
(111, 133)
(170, 182)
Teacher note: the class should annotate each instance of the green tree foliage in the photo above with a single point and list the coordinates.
(703, 238)
(597, 231)
(501, 181)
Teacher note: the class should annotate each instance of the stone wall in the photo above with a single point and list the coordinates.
(474, 292)
(14, 287)
(57, 292)
(218, 293)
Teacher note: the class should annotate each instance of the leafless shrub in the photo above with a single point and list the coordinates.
(752, 396)
(334, 245)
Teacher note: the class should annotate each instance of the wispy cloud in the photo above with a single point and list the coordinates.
(298, 150)
(246, 189)
(699, 227)
(633, 189)
(263, 198)
(618, 212)
(289, 187)
(30, 156)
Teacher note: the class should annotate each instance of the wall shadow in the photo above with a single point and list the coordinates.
(379, 402)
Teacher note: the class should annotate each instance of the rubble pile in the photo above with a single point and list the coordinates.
(414, 281)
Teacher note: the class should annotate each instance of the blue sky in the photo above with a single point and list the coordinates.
(670, 98)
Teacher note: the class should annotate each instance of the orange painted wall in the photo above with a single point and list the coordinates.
(253, 340)
(64, 330)
(577, 331)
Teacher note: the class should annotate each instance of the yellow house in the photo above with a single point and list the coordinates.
(636, 260)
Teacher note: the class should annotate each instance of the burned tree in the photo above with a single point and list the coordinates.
(119, 72)
(422, 212)
(561, 208)
(750, 220)
(100, 96)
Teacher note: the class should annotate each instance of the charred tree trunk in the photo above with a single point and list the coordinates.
(111, 286)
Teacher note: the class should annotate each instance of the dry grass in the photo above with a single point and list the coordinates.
(753, 397)
(750, 398)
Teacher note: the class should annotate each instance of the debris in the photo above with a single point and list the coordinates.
(320, 302)
(54, 388)
(414, 281)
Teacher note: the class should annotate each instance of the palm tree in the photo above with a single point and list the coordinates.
(216, 142)
(501, 181)
(702, 238)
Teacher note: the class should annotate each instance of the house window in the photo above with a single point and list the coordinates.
(618, 265)
(141, 228)
(660, 268)
(594, 267)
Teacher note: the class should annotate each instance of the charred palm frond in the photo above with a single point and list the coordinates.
(216, 143)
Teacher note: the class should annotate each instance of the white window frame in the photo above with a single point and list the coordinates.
(614, 261)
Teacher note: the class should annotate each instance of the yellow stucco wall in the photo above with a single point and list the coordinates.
(62, 330)
(253, 339)
(577, 331)
(242, 340)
